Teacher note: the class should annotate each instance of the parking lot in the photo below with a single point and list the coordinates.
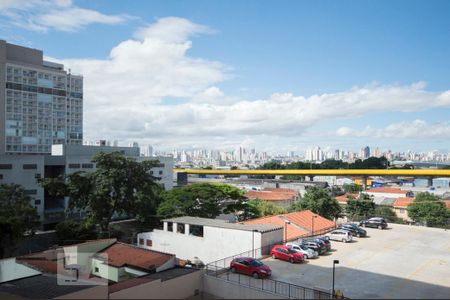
(399, 262)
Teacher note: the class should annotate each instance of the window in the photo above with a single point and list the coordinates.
(31, 192)
(37, 202)
(169, 226)
(160, 172)
(1, 176)
(402, 210)
(141, 241)
(96, 269)
(29, 166)
(5, 166)
(37, 175)
(74, 166)
(196, 230)
(180, 228)
(87, 166)
(149, 243)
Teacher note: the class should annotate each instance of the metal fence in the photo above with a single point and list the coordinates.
(268, 285)
(220, 269)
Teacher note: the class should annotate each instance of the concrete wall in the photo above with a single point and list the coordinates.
(177, 288)
(229, 290)
(402, 213)
(96, 292)
(216, 243)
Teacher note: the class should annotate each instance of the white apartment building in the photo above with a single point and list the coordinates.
(66, 159)
(41, 104)
(209, 239)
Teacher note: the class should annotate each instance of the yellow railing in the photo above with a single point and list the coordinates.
(306, 172)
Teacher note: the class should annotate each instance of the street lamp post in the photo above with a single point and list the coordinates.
(312, 224)
(335, 262)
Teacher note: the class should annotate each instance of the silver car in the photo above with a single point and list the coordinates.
(307, 253)
(340, 235)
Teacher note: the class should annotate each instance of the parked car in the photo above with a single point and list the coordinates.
(354, 229)
(319, 248)
(340, 235)
(321, 242)
(307, 252)
(286, 253)
(326, 240)
(375, 222)
(250, 266)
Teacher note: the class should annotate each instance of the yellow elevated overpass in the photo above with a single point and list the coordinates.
(364, 173)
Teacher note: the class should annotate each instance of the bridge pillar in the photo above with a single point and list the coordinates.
(429, 181)
(311, 177)
(364, 182)
(182, 178)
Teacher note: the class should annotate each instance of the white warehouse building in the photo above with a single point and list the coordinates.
(209, 239)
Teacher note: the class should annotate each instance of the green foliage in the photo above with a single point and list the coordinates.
(118, 185)
(362, 207)
(369, 163)
(319, 201)
(352, 188)
(17, 216)
(205, 200)
(265, 208)
(425, 196)
(387, 213)
(427, 210)
(73, 231)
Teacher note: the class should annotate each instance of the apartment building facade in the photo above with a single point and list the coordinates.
(41, 104)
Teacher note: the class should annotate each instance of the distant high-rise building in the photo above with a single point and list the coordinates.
(148, 151)
(364, 153)
(41, 104)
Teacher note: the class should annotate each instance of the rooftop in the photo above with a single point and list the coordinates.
(121, 255)
(291, 231)
(387, 190)
(272, 194)
(403, 202)
(224, 224)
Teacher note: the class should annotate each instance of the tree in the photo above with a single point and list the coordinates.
(262, 208)
(17, 216)
(118, 185)
(70, 231)
(387, 213)
(204, 200)
(361, 207)
(352, 188)
(319, 201)
(428, 209)
(425, 196)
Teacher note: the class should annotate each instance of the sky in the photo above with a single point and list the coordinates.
(270, 75)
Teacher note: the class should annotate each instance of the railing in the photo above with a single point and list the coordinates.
(220, 269)
(281, 288)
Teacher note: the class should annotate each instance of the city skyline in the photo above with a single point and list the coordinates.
(198, 80)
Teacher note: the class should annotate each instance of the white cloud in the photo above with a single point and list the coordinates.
(62, 15)
(417, 129)
(126, 96)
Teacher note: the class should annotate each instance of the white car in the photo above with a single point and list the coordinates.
(307, 253)
(340, 235)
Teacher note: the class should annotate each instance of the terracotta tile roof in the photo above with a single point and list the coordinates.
(301, 223)
(292, 231)
(121, 255)
(45, 266)
(403, 202)
(272, 194)
(304, 219)
(344, 198)
(387, 190)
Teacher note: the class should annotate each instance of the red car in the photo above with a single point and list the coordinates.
(250, 266)
(286, 253)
